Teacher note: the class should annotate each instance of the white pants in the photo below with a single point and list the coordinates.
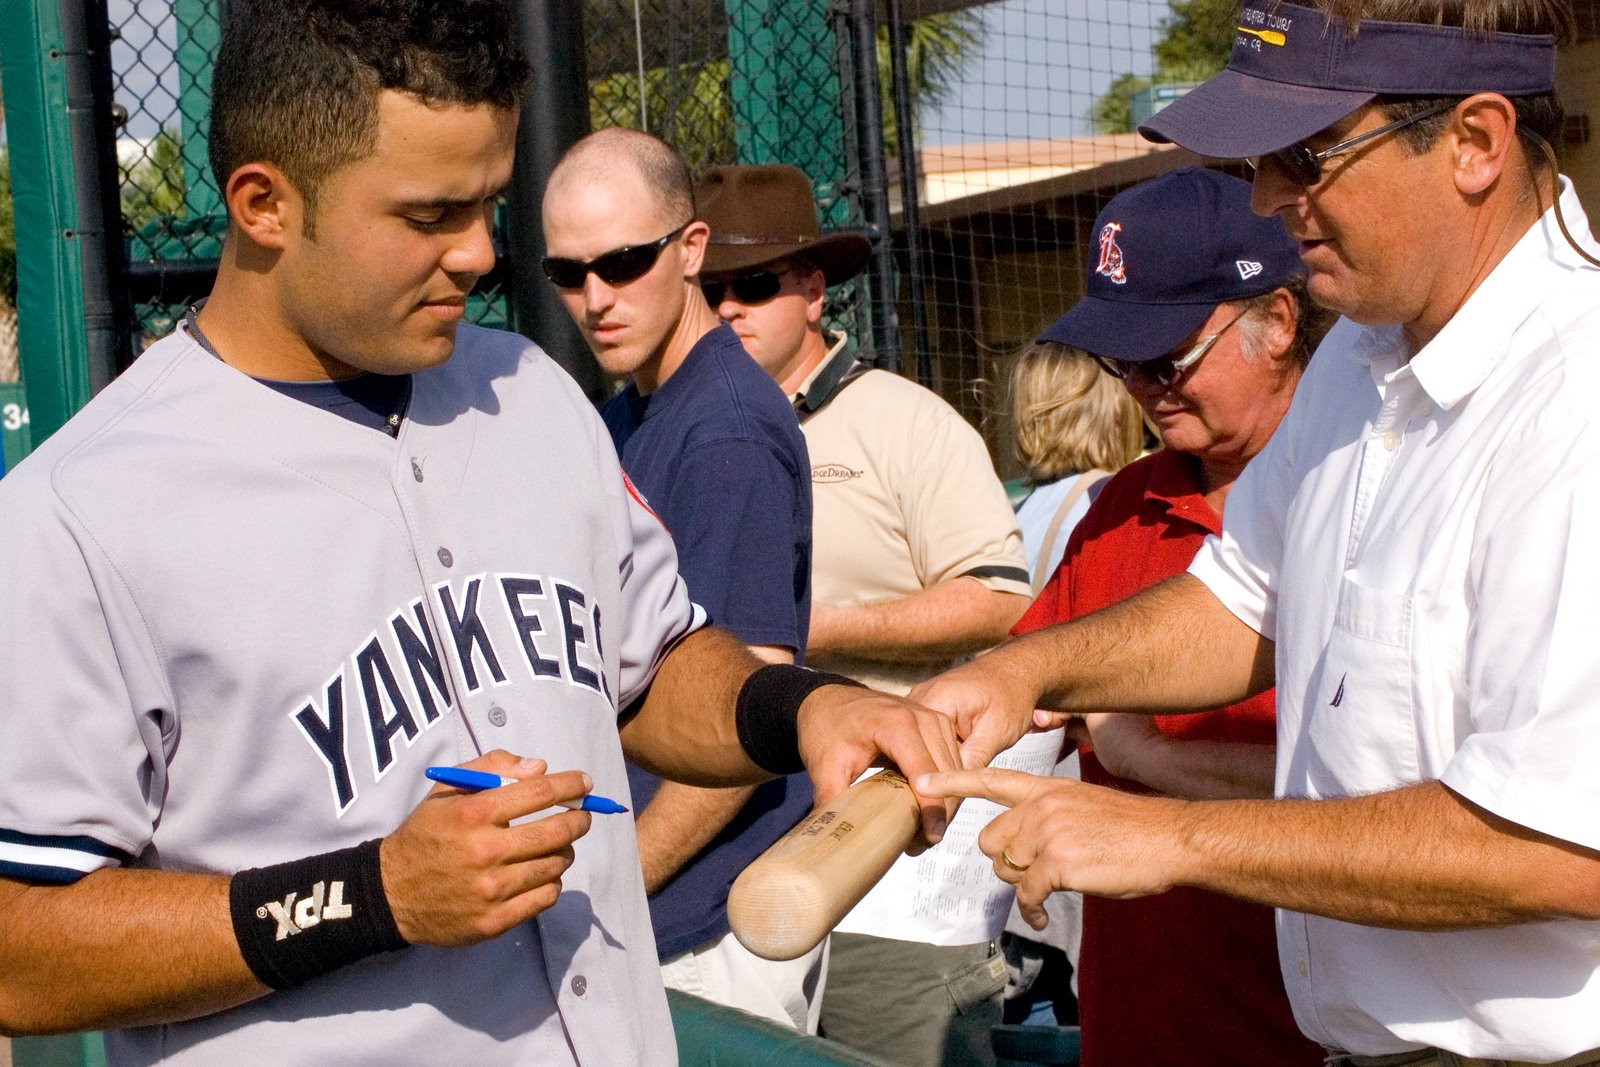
(725, 972)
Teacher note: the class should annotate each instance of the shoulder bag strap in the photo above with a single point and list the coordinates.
(1086, 481)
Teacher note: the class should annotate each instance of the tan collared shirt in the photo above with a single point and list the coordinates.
(904, 497)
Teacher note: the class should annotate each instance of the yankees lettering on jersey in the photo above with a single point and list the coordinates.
(400, 675)
(326, 902)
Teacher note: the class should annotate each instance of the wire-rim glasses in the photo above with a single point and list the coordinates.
(1164, 370)
(1304, 167)
(616, 267)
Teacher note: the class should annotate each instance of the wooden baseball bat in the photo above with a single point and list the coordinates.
(785, 902)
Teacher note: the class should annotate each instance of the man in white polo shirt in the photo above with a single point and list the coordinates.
(1412, 558)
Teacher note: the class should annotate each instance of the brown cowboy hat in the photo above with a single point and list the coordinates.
(761, 213)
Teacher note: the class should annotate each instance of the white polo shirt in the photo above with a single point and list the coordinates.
(1422, 541)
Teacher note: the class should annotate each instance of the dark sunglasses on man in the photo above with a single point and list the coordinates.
(756, 287)
(616, 267)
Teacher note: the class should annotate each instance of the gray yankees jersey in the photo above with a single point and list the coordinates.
(236, 628)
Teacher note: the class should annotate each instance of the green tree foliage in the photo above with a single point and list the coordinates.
(8, 222)
(153, 187)
(689, 104)
(1194, 44)
(8, 234)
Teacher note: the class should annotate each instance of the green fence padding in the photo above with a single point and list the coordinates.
(710, 1035)
(50, 300)
(1020, 1045)
(72, 1050)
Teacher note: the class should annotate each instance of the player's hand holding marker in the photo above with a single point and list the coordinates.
(457, 872)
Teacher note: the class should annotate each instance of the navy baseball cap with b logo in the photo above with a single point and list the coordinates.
(1165, 253)
(1294, 71)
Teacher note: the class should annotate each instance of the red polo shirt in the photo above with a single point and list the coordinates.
(1186, 977)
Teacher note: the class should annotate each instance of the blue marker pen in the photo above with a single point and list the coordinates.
(462, 778)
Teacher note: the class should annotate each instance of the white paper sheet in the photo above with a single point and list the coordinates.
(949, 895)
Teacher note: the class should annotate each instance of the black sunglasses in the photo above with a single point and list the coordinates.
(1164, 370)
(1304, 167)
(756, 287)
(616, 267)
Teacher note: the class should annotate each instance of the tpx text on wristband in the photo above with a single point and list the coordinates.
(298, 920)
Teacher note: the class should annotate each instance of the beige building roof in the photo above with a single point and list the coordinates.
(960, 180)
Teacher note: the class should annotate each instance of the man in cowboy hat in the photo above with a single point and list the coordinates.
(1411, 560)
(917, 558)
(713, 446)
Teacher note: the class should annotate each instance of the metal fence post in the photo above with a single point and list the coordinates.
(863, 23)
(905, 125)
(555, 114)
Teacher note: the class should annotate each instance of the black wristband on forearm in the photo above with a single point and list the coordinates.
(766, 714)
(295, 921)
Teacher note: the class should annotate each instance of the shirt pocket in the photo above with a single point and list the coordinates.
(1360, 733)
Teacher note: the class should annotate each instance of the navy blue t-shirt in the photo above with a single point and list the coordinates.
(717, 453)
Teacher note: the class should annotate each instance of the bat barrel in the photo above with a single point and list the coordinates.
(787, 901)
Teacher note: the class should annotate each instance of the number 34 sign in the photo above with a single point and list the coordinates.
(14, 432)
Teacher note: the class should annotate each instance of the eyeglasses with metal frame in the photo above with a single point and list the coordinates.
(1164, 370)
(1304, 167)
(756, 287)
(616, 267)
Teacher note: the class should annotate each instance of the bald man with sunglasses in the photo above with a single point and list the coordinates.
(711, 443)
(1410, 559)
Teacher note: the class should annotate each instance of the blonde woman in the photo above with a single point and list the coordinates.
(1075, 425)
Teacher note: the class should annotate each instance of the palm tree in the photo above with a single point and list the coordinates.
(937, 50)
(689, 103)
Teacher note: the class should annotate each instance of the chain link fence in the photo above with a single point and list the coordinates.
(750, 81)
(976, 143)
(1017, 116)
(1000, 97)
(173, 217)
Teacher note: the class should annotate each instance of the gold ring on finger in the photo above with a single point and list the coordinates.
(1005, 858)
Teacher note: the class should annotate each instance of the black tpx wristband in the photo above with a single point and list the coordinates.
(295, 921)
(767, 712)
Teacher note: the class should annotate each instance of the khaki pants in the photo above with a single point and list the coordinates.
(912, 1004)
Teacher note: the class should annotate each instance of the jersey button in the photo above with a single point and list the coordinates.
(497, 715)
(446, 558)
(416, 470)
(580, 984)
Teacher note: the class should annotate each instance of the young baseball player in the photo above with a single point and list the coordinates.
(325, 536)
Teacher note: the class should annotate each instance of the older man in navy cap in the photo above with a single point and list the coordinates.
(1409, 559)
(1200, 307)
